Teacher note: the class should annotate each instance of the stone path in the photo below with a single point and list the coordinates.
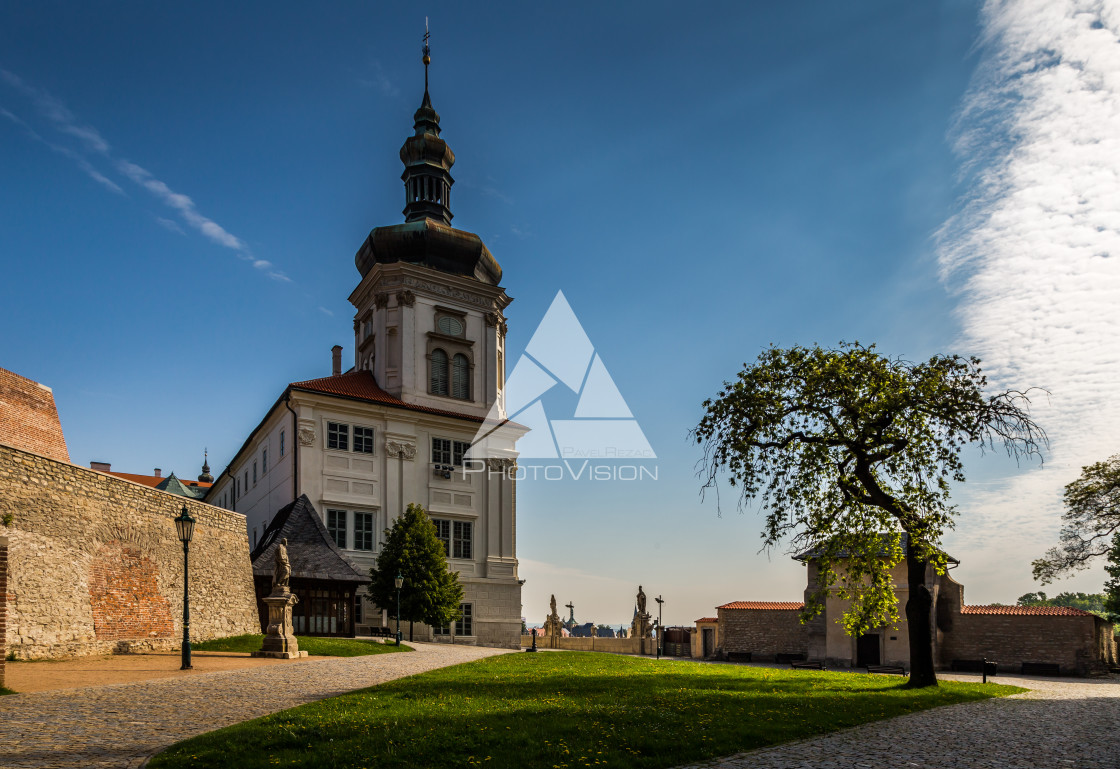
(121, 725)
(1059, 723)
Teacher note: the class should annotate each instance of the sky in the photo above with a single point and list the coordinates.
(183, 188)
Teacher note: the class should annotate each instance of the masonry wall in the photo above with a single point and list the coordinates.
(95, 565)
(1010, 640)
(29, 417)
(764, 633)
(3, 605)
(611, 645)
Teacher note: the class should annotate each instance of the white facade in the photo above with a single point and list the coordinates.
(396, 454)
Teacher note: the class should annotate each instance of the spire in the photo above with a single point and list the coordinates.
(427, 159)
(206, 477)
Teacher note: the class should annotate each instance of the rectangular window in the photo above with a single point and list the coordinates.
(363, 440)
(338, 436)
(264, 461)
(254, 472)
(457, 537)
(336, 526)
(466, 623)
(281, 443)
(448, 452)
(245, 486)
(441, 630)
(358, 609)
(443, 532)
(363, 531)
(461, 541)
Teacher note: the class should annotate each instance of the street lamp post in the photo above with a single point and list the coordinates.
(184, 527)
(399, 582)
(660, 626)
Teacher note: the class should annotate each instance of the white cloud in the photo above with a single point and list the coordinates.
(1035, 252)
(325, 311)
(63, 120)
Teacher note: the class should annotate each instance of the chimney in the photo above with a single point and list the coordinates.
(102, 467)
(336, 360)
(157, 472)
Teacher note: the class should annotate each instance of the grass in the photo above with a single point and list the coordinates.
(314, 646)
(564, 710)
(4, 691)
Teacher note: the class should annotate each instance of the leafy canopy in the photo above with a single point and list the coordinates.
(847, 448)
(431, 594)
(1090, 521)
(1093, 602)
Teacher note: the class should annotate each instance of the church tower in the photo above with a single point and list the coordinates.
(429, 321)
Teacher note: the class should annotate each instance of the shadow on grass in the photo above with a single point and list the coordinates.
(569, 710)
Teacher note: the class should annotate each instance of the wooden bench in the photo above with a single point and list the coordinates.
(785, 659)
(739, 656)
(382, 632)
(1042, 669)
(807, 665)
(896, 669)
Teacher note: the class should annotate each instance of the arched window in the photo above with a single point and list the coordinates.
(439, 372)
(461, 377)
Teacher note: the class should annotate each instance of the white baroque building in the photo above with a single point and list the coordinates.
(429, 366)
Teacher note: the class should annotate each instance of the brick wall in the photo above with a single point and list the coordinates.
(29, 418)
(95, 564)
(3, 605)
(1010, 640)
(762, 632)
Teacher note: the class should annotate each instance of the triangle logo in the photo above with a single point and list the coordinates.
(560, 354)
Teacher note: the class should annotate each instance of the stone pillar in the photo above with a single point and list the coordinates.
(3, 606)
(280, 638)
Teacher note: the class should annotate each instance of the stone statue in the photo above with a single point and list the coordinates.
(641, 600)
(552, 624)
(283, 569)
(552, 606)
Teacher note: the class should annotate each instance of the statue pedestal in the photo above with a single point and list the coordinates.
(280, 640)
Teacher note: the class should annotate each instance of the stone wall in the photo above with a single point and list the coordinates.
(3, 606)
(29, 417)
(762, 632)
(95, 565)
(610, 645)
(1077, 643)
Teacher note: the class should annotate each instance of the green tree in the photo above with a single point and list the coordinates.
(431, 594)
(1090, 521)
(1093, 602)
(1112, 586)
(845, 449)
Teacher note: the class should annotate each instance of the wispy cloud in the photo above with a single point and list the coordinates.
(170, 224)
(93, 144)
(378, 79)
(325, 311)
(1035, 250)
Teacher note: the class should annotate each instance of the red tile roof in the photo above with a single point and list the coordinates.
(771, 605)
(29, 417)
(708, 619)
(1038, 611)
(153, 480)
(360, 385)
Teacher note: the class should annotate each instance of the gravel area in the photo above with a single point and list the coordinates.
(1059, 723)
(121, 725)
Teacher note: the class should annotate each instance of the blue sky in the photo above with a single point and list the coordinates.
(182, 190)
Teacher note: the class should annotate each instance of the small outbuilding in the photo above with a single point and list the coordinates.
(323, 578)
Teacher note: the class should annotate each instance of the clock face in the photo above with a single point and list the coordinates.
(450, 326)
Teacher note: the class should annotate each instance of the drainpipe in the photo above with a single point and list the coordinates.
(295, 444)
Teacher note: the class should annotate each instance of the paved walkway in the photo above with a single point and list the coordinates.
(121, 725)
(1059, 723)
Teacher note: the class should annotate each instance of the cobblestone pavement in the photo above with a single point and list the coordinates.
(121, 725)
(1059, 723)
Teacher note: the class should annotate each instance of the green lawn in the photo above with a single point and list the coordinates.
(564, 710)
(316, 647)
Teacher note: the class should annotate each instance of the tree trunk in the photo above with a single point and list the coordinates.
(920, 628)
(410, 631)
